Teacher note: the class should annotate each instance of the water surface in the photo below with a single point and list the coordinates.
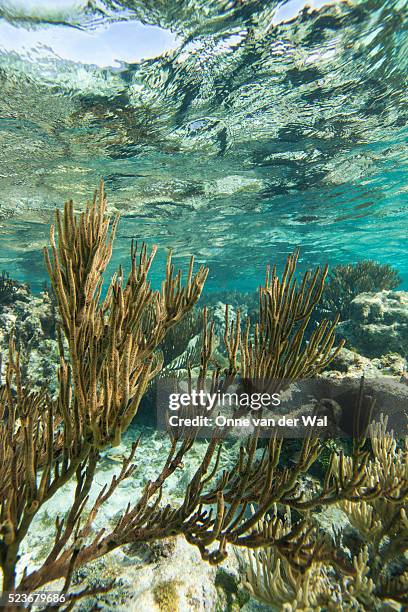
(249, 128)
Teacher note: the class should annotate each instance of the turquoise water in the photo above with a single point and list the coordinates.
(252, 127)
(234, 131)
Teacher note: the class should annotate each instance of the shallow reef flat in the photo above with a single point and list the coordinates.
(100, 503)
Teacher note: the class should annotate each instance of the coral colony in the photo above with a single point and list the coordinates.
(263, 507)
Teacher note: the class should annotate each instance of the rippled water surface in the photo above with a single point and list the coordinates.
(252, 126)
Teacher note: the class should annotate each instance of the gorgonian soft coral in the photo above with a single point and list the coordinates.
(345, 282)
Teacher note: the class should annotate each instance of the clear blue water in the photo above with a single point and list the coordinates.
(263, 126)
(231, 130)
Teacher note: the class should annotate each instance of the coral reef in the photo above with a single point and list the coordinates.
(375, 544)
(182, 339)
(353, 365)
(345, 282)
(31, 321)
(111, 344)
(110, 349)
(109, 357)
(246, 302)
(181, 348)
(11, 290)
(378, 323)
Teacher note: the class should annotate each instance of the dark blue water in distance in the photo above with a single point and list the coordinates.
(232, 131)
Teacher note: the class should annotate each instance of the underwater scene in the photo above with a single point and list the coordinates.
(203, 305)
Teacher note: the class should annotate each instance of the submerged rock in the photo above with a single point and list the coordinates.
(378, 324)
(175, 580)
(12, 290)
(31, 320)
(334, 393)
(350, 363)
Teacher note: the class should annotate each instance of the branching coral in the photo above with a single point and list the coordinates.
(111, 358)
(345, 282)
(274, 579)
(277, 351)
(111, 342)
(377, 571)
(182, 344)
(381, 524)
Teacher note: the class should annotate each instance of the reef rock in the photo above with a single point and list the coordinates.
(167, 576)
(171, 577)
(334, 393)
(384, 380)
(378, 323)
(31, 320)
(217, 315)
(349, 363)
